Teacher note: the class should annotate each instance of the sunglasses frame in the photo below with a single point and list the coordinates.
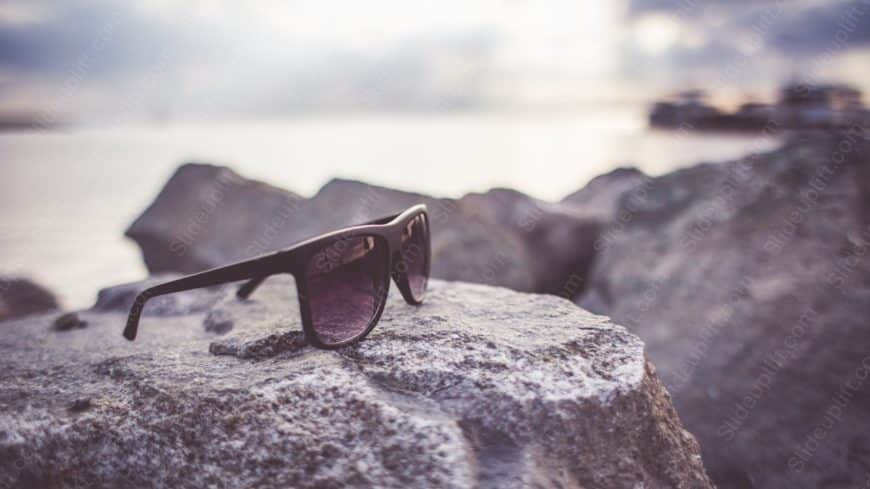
(294, 261)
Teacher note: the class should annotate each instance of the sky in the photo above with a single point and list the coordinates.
(114, 60)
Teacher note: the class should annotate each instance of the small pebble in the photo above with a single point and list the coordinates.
(69, 321)
(80, 405)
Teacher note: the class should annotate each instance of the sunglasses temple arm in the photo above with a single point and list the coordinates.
(257, 268)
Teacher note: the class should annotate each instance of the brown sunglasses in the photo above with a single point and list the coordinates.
(342, 277)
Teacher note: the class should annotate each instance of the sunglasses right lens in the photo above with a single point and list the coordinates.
(347, 283)
(415, 255)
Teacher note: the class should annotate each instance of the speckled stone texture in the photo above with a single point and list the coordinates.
(479, 387)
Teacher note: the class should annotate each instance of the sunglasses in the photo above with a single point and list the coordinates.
(342, 277)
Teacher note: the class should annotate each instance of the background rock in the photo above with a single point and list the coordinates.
(600, 197)
(559, 240)
(749, 281)
(20, 297)
(208, 216)
(479, 387)
(195, 206)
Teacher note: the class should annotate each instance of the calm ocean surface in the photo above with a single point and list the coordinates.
(67, 196)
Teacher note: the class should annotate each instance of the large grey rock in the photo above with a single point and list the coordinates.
(208, 216)
(601, 196)
(749, 281)
(479, 387)
(200, 204)
(21, 297)
(560, 241)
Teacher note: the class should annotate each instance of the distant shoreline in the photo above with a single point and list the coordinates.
(799, 107)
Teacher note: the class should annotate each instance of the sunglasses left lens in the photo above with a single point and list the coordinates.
(347, 283)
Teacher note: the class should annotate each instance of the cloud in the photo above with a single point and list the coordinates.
(834, 26)
(695, 8)
(100, 37)
(276, 57)
(420, 74)
(273, 58)
(753, 45)
(790, 27)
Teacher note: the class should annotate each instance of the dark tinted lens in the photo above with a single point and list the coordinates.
(415, 245)
(347, 281)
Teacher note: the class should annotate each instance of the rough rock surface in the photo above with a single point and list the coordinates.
(21, 296)
(208, 216)
(479, 387)
(749, 281)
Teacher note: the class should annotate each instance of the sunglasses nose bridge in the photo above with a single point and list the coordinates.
(396, 260)
(395, 240)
